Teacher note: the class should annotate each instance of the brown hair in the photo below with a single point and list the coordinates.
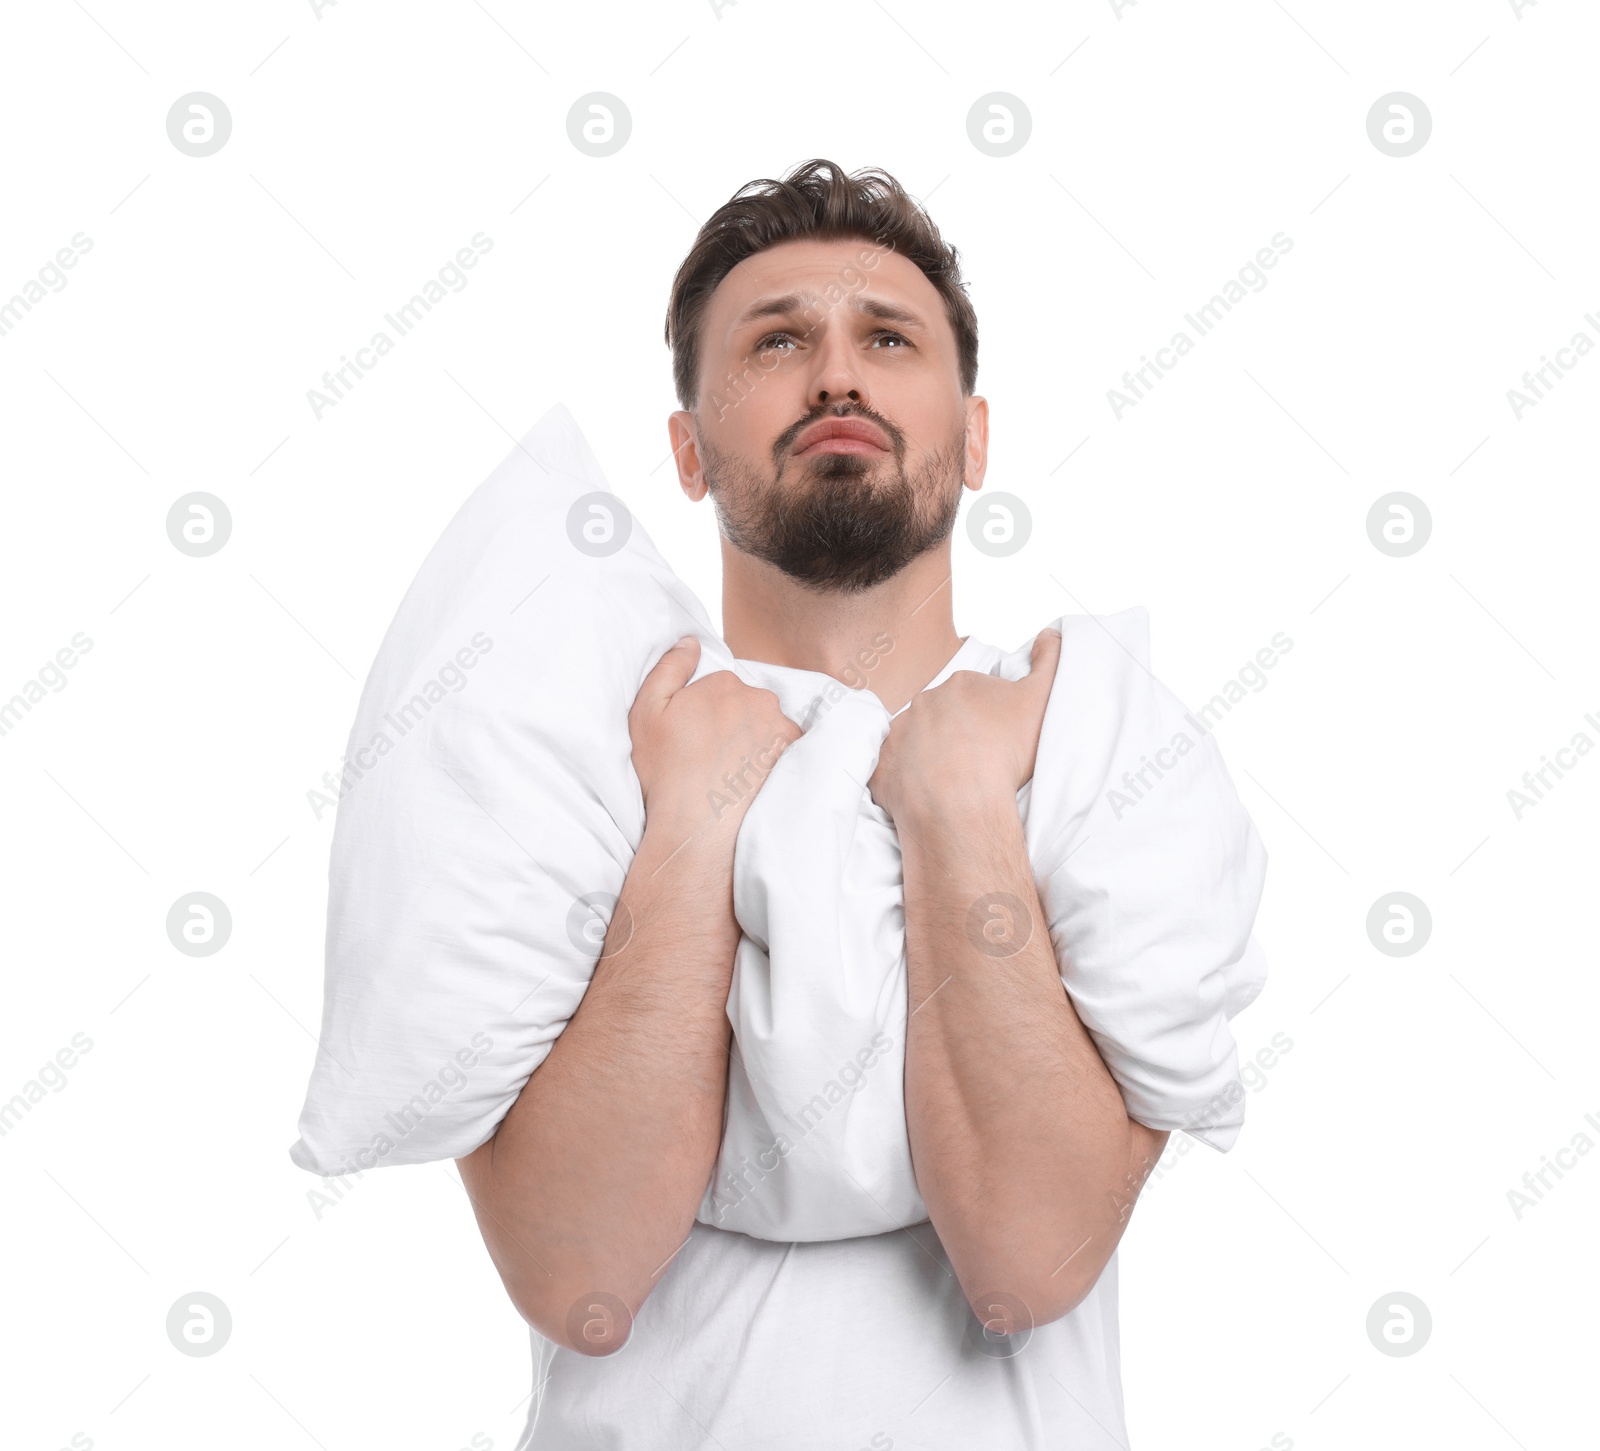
(817, 200)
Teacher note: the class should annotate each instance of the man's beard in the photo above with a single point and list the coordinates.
(829, 525)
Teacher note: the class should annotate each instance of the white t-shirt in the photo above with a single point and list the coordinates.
(841, 1345)
(844, 1345)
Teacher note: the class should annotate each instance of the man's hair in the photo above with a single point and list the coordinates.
(816, 200)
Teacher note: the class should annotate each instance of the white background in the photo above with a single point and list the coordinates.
(1169, 143)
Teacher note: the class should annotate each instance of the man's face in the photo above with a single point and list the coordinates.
(830, 428)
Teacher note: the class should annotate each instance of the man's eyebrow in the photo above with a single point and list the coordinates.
(793, 304)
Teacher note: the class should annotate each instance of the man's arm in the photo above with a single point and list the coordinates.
(592, 1181)
(1024, 1152)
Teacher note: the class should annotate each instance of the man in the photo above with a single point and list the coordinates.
(825, 354)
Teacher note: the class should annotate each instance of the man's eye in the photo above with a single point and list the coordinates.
(769, 342)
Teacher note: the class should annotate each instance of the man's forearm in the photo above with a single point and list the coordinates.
(1024, 1153)
(594, 1177)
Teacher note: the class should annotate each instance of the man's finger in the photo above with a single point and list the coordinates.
(670, 673)
(1044, 657)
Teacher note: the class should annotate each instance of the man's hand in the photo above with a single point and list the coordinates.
(702, 751)
(974, 738)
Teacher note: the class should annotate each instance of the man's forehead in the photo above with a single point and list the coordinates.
(810, 271)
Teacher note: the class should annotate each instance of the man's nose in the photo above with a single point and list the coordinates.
(836, 377)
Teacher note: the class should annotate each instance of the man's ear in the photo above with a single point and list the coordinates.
(683, 433)
(976, 463)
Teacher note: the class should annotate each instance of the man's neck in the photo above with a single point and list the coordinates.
(891, 639)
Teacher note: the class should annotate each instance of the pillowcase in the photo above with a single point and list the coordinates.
(492, 811)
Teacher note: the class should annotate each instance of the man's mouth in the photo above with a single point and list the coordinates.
(841, 435)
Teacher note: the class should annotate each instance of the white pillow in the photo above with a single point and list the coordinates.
(493, 810)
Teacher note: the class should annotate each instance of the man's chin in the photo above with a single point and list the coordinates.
(839, 579)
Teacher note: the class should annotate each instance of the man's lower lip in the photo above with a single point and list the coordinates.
(840, 445)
